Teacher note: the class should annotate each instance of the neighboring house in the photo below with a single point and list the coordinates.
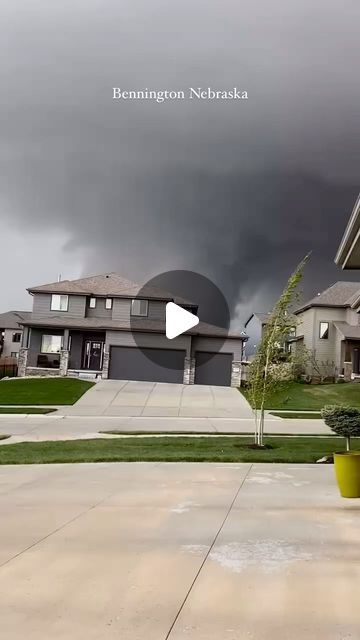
(254, 328)
(348, 255)
(83, 326)
(329, 327)
(11, 332)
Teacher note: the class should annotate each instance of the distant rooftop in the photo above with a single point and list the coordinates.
(12, 319)
(108, 284)
(340, 294)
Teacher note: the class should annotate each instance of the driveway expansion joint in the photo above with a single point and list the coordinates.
(188, 593)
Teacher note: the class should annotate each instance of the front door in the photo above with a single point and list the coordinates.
(93, 355)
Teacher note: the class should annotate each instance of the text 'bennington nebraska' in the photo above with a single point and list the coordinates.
(188, 94)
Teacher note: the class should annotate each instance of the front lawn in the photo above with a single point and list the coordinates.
(296, 396)
(42, 391)
(165, 449)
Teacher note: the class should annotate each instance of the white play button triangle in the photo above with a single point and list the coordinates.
(178, 320)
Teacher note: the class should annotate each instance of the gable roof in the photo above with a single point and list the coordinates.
(347, 330)
(12, 319)
(108, 284)
(262, 317)
(340, 294)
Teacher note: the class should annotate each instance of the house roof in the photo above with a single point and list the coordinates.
(145, 325)
(108, 284)
(340, 294)
(12, 319)
(348, 330)
(348, 254)
(262, 317)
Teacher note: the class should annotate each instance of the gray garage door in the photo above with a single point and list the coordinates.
(214, 370)
(131, 363)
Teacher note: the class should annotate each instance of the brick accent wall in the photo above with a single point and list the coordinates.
(22, 361)
(106, 360)
(42, 372)
(64, 362)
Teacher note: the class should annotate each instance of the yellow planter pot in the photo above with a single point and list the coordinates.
(347, 471)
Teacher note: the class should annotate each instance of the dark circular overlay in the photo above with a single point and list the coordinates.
(196, 294)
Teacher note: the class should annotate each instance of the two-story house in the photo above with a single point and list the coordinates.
(99, 327)
(329, 327)
(11, 332)
(255, 326)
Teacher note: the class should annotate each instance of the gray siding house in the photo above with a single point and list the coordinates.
(254, 327)
(11, 332)
(329, 326)
(88, 327)
(348, 254)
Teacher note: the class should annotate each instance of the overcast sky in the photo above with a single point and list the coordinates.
(237, 190)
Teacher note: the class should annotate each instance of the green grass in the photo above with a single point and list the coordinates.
(297, 415)
(296, 396)
(182, 449)
(42, 391)
(26, 410)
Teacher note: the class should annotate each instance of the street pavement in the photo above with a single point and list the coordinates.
(173, 551)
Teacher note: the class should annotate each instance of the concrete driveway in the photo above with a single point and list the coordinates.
(174, 551)
(131, 398)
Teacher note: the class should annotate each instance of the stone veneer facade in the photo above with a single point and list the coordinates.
(236, 374)
(189, 371)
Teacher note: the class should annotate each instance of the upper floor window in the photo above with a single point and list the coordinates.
(292, 332)
(324, 330)
(108, 303)
(59, 302)
(16, 337)
(139, 307)
(92, 303)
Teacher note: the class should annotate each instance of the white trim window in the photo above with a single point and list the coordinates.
(324, 330)
(139, 307)
(59, 302)
(92, 303)
(108, 303)
(51, 344)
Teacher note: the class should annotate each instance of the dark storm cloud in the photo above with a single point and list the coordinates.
(239, 191)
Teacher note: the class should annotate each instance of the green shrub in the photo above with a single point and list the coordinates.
(340, 381)
(343, 420)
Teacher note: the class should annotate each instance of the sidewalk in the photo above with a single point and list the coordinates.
(57, 427)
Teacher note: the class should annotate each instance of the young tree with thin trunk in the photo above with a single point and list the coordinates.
(262, 379)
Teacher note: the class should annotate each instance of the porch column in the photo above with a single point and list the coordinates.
(22, 361)
(66, 337)
(64, 354)
(25, 337)
(347, 371)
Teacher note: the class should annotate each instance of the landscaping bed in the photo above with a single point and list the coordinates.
(52, 391)
(297, 415)
(37, 410)
(174, 449)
